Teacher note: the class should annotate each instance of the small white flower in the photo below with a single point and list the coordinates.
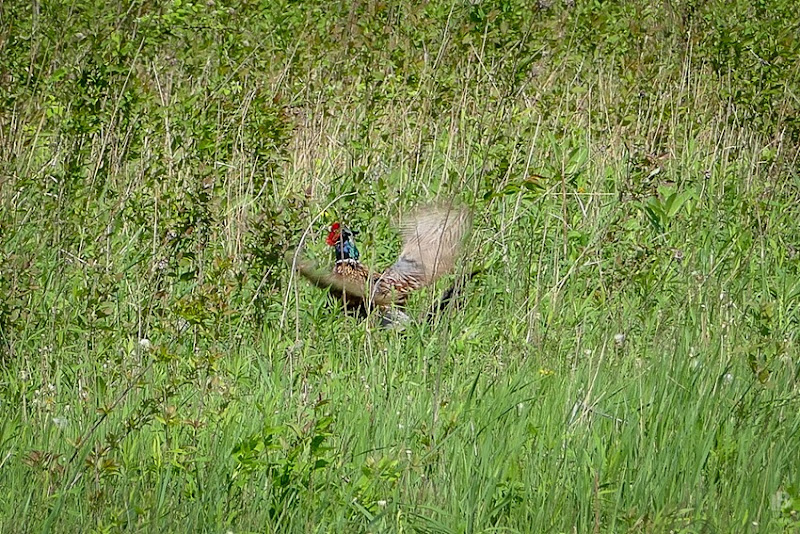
(60, 422)
(382, 503)
(728, 378)
(145, 344)
(619, 339)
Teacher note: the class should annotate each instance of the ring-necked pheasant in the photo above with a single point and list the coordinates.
(432, 238)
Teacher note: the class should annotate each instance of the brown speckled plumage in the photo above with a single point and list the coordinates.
(354, 271)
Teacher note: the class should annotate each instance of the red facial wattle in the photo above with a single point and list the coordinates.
(334, 234)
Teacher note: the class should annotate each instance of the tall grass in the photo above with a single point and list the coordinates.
(625, 362)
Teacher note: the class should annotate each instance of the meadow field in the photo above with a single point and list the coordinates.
(626, 360)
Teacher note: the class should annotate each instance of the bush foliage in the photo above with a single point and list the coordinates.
(626, 361)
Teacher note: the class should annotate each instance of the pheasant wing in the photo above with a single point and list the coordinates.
(326, 279)
(432, 238)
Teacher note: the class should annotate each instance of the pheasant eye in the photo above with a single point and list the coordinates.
(335, 226)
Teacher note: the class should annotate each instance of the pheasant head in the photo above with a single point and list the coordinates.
(342, 239)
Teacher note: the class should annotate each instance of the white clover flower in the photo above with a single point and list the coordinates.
(619, 339)
(728, 378)
(61, 422)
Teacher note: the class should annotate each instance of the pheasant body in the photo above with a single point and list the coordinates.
(357, 273)
(432, 239)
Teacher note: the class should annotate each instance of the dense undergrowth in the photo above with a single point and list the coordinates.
(626, 361)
